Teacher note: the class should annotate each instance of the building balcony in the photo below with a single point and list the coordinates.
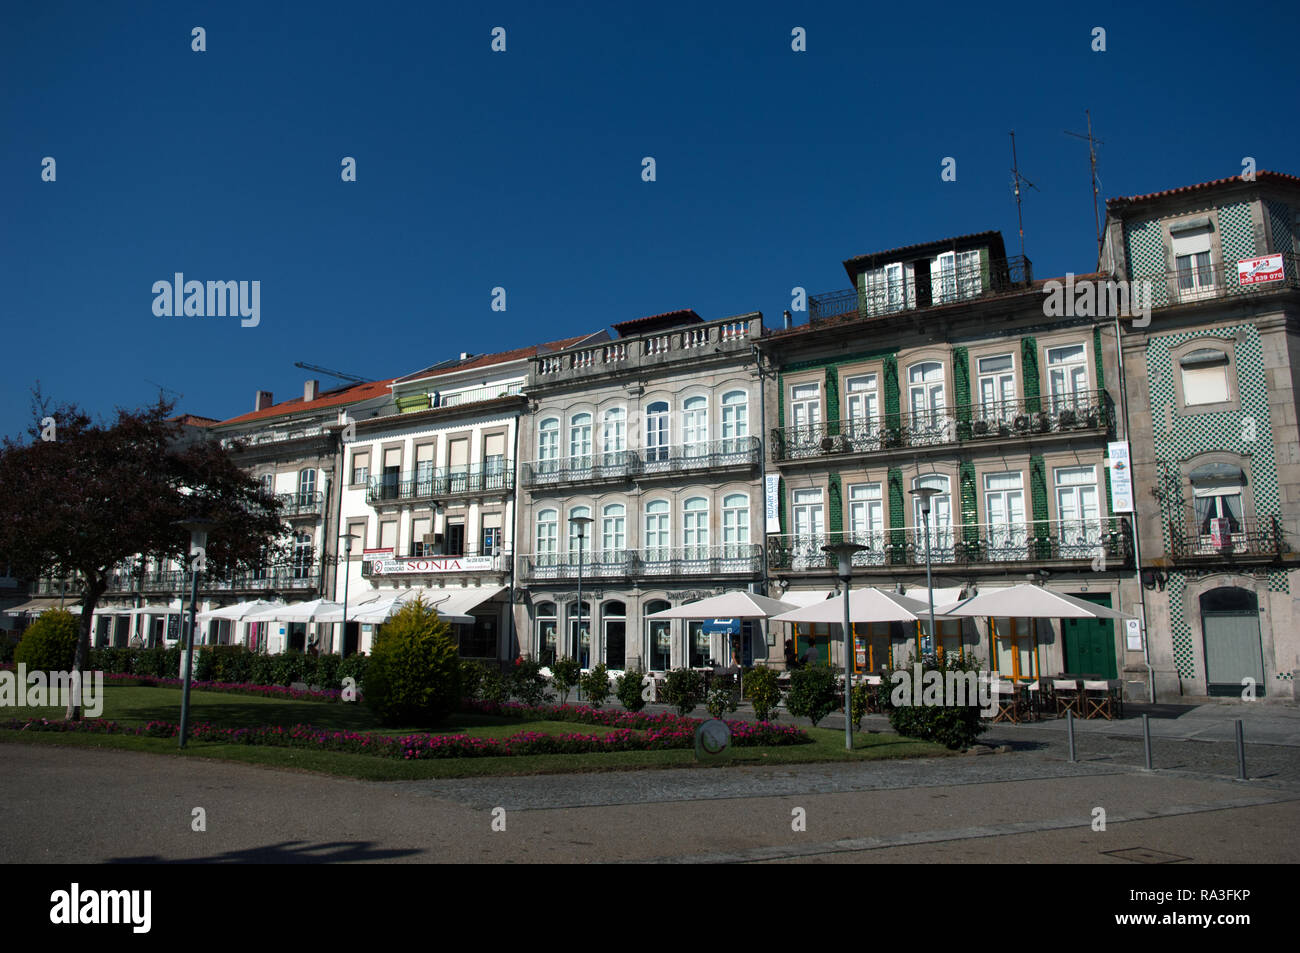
(1211, 280)
(53, 588)
(731, 453)
(289, 577)
(1098, 544)
(628, 355)
(428, 485)
(299, 505)
(1084, 412)
(964, 283)
(1229, 540)
(729, 559)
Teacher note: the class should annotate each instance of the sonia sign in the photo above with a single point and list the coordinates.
(395, 567)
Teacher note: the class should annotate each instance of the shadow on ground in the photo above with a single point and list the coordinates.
(286, 852)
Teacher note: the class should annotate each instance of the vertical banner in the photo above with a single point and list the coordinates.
(1121, 477)
(773, 507)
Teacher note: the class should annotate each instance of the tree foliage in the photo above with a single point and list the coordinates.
(79, 497)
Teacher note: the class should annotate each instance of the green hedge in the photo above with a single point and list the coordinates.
(233, 663)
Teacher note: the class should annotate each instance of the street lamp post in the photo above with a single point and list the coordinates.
(924, 494)
(843, 552)
(347, 571)
(580, 523)
(198, 559)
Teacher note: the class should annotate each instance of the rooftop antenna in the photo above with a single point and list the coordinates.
(1092, 158)
(1015, 187)
(339, 374)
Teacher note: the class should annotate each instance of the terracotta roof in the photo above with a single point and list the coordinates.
(1281, 178)
(920, 245)
(655, 322)
(192, 420)
(347, 394)
(488, 360)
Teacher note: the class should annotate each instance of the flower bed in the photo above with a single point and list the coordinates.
(233, 688)
(676, 733)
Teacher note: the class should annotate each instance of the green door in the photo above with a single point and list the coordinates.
(1090, 643)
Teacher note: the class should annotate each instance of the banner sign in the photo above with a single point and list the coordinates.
(723, 626)
(1121, 477)
(397, 567)
(1255, 271)
(773, 505)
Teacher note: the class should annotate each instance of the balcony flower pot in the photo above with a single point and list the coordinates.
(981, 428)
(1068, 418)
(1022, 422)
(1044, 423)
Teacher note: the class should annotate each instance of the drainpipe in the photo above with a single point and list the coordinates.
(1133, 523)
(511, 639)
(341, 454)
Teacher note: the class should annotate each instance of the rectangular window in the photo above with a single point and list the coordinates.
(419, 529)
(494, 459)
(997, 382)
(1067, 374)
(1077, 509)
(1192, 263)
(360, 467)
(1205, 377)
(458, 454)
(862, 399)
(388, 535)
(455, 539)
(492, 542)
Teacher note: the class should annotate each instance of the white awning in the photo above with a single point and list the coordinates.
(453, 605)
(806, 597)
(37, 606)
(240, 610)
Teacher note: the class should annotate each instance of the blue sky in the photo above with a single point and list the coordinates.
(522, 169)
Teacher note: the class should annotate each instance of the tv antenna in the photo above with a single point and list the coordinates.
(1092, 158)
(1016, 180)
(339, 374)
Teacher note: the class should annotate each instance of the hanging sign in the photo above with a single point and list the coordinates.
(1121, 477)
(773, 506)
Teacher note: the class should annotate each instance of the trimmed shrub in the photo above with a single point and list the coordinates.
(629, 690)
(414, 672)
(760, 688)
(565, 672)
(721, 702)
(683, 688)
(528, 684)
(952, 725)
(50, 643)
(354, 667)
(813, 693)
(494, 687)
(323, 671)
(595, 686)
(472, 674)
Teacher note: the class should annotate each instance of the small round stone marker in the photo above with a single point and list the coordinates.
(712, 739)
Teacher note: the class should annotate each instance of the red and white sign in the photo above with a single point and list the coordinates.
(1220, 533)
(1255, 271)
(397, 567)
(385, 553)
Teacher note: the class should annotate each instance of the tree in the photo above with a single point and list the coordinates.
(82, 496)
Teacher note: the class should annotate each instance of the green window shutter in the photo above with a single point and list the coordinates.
(1038, 500)
(1033, 386)
(835, 516)
(832, 400)
(893, 421)
(897, 519)
(969, 507)
(961, 390)
(1096, 353)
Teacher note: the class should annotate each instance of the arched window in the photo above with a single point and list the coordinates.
(735, 421)
(942, 548)
(695, 528)
(659, 638)
(613, 440)
(1233, 653)
(546, 633)
(580, 441)
(613, 528)
(927, 402)
(735, 525)
(656, 432)
(657, 537)
(547, 549)
(695, 427)
(548, 445)
(579, 529)
(582, 640)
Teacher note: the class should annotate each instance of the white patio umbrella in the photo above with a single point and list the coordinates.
(240, 610)
(317, 610)
(1027, 601)
(865, 605)
(738, 604)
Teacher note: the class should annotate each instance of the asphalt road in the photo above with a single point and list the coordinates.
(76, 805)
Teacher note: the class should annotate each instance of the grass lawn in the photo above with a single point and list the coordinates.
(129, 705)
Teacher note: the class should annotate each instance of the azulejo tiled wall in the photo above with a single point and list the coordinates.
(1187, 436)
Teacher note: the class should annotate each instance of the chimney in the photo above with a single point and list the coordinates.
(310, 391)
(465, 355)
(263, 400)
(787, 318)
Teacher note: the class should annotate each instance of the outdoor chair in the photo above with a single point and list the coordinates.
(1007, 699)
(1099, 700)
(1066, 693)
(1035, 695)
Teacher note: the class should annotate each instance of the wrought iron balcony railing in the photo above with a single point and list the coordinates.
(53, 588)
(1201, 279)
(1078, 412)
(1229, 539)
(727, 453)
(964, 283)
(627, 354)
(495, 476)
(725, 559)
(1100, 542)
(300, 504)
(297, 575)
